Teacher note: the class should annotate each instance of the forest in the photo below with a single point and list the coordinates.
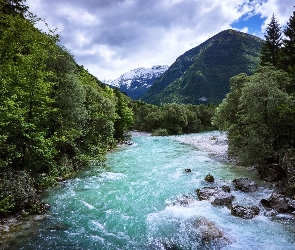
(259, 112)
(56, 118)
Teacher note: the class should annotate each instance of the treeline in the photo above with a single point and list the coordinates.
(172, 119)
(55, 117)
(259, 112)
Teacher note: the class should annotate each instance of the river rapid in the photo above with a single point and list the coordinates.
(133, 203)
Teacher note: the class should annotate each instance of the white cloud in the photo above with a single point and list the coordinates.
(112, 37)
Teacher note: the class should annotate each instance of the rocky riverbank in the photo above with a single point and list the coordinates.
(213, 142)
(216, 145)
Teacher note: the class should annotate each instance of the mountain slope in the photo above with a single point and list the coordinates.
(137, 82)
(201, 75)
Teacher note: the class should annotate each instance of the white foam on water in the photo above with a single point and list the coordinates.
(111, 176)
(88, 205)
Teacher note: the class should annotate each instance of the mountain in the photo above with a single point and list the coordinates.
(137, 82)
(201, 75)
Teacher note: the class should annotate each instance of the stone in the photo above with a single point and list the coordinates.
(163, 244)
(207, 192)
(209, 178)
(217, 195)
(276, 201)
(208, 232)
(225, 188)
(223, 199)
(183, 200)
(291, 205)
(272, 172)
(245, 212)
(245, 184)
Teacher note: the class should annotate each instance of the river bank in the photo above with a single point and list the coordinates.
(145, 199)
(214, 142)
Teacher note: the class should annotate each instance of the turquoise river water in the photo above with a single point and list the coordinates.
(131, 205)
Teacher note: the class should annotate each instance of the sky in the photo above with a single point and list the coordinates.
(112, 37)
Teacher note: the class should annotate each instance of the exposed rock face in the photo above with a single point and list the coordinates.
(273, 172)
(209, 178)
(217, 195)
(209, 233)
(137, 82)
(207, 192)
(277, 202)
(163, 244)
(225, 188)
(223, 199)
(245, 212)
(183, 200)
(245, 184)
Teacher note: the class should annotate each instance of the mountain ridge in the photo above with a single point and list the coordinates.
(201, 74)
(137, 81)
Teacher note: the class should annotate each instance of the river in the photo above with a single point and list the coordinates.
(132, 204)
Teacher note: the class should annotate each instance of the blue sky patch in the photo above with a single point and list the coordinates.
(253, 24)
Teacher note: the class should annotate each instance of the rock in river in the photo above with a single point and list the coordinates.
(276, 201)
(245, 212)
(245, 184)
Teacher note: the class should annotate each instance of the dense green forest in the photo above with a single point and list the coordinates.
(55, 117)
(259, 111)
(172, 118)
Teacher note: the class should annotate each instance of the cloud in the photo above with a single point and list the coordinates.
(112, 37)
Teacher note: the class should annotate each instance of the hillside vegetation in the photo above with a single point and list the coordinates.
(201, 75)
(259, 111)
(55, 117)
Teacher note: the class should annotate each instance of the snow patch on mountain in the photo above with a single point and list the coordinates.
(139, 74)
(137, 81)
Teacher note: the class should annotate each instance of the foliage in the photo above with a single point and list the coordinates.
(255, 117)
(55, 117)
(270, 51)
(288, 59)
(172, 118)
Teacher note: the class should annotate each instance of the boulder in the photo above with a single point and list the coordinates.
(163, 244)
(207, 192)
(216, 195)
(245, 184)
(291, 205)
(223, 199)
(276, 201)
(209, 178)
(208, 232)
(183, 200)
(272, 172)
(225, 188)
(245, 212)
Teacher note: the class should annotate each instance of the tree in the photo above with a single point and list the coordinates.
(124, 116)
(289, 46)
(270, 51)
(256, 116)
(13, 6)
(25, 99)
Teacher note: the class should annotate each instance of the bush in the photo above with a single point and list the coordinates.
(160, 132)
(16, 191)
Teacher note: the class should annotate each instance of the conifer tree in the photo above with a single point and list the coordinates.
(272, 44)
(13, 6)
(289, 45)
